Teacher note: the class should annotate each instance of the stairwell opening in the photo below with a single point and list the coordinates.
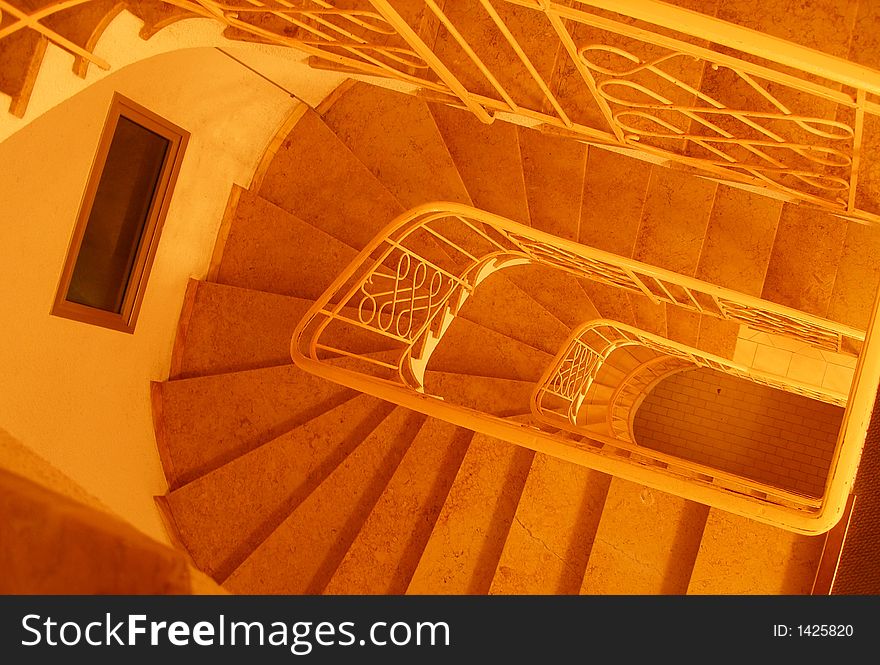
(734, 425)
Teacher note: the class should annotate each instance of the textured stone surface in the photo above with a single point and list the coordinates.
(232, 329)
(500, 397)
(476, 26)
(737, 247)
(549, 541)
(645, 544)
(53, 544)
(718, 336)
(501, 306)
(302, 553)
(611, 303)
(553, 168)
(269, 249)
(858, 276)
(468, 348)
(741, 556)
(674, 220)
(223, 515)
(683, 326)
(204, 422)
(462, 553)
(615, 189)
(487, 157)
(386, 551)
(558, 292)
(394, 136)
(649, 316)
(310, 170)
(804, 260)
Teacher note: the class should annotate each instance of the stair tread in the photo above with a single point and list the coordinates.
(498, 397)
(804, 260)
(740, 556)
(257, 255)
(674, 220)
(739, 239)
(646, 542)
(463, 550)
(858, 277)
(549, 541)
(532, 30)
(223, 515)
(339, 504)
(306, 174)
(610, 302)
(203, 422)
(558, 292)
(386, 551)
(553, 168)
(469, 348)
(488, 159)
(498, 304)
(649, 316)
(718, 336)
(397, 158)
(232, 329)
(615, 190)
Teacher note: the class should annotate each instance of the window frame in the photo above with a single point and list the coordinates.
(178, 138)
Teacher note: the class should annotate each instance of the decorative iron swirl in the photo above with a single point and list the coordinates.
(647, 103)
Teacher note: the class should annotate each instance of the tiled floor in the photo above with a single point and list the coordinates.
(787, 357)
(732, 424)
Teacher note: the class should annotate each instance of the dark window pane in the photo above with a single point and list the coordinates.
(119, 212)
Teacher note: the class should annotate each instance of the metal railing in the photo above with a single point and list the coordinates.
(408, 284)
(571, 374)
(735, 104)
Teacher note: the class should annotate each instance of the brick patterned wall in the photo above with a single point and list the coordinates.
(738, 426)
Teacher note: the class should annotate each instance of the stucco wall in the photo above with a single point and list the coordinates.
(78, 395)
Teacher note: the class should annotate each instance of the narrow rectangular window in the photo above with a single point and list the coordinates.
(124, 205)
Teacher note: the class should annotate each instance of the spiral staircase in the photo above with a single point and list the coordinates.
(281, 482)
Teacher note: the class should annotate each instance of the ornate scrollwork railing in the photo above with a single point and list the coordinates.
(410, 300)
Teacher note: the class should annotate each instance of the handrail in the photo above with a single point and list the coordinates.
(574, 371)
(761, 128)
(410, 301)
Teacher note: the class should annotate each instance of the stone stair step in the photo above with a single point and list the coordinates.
(386, 551)
(498, 304)
(803, 264)
(615, 190)
(469, 348)
(674, 220)
(256, 250)
(338, 507)
(533, 33)
(230, 329)
(204, 422)
(498, 397)
(610, 302)
(549, 541)
(309, 170)
(223, 515)
(488, 159)
(463, 551)
(858, 277)
(553, 168)
(397, 158)
(718, 336)
(558, 292)
(739, 239)
(744, 557)
(646, 542)
(649, 316)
